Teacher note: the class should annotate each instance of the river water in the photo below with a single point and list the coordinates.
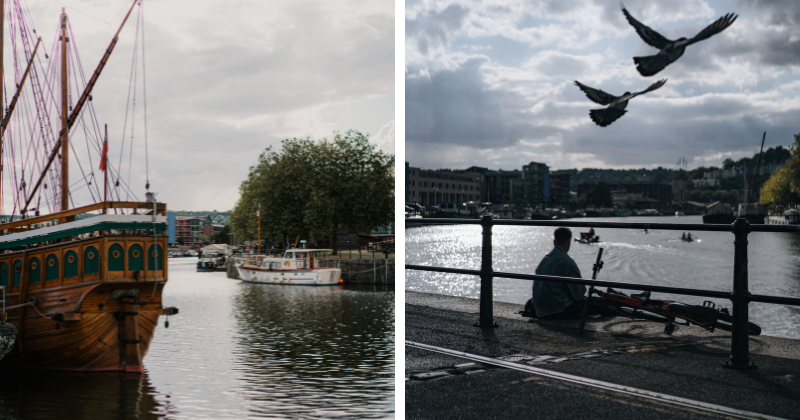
(655, 257)
(237, 350)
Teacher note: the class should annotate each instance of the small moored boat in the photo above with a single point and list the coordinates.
(298, 267)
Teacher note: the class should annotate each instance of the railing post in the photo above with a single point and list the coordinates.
(740, 297)
(486, 318)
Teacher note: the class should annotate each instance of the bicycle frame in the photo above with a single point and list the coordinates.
(662, 308)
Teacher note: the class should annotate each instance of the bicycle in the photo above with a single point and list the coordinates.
(640, 306)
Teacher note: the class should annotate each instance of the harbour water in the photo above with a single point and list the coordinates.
(655, 257)
(237, 350)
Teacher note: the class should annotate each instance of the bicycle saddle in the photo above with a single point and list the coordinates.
(703, 314)
(642, 297)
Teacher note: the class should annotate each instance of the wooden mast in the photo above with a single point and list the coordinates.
(258, 245)
(64, 115)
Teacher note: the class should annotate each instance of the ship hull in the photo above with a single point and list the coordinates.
(308, 277)
(96, 303)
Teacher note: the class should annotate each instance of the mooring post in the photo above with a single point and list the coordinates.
(486, 318)
(740, 297)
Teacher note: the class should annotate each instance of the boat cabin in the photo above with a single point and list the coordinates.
(294, 259)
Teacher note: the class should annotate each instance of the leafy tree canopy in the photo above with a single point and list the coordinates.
(783, 187)
(309, 189)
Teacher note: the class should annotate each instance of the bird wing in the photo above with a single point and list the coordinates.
(651, 37)
(596, 95)
(652, 87)
(718, 26)
(604, 117)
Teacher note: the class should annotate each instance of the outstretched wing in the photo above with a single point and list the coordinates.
(596, 95)
(652, 87)
(718, 26)
(651, 37)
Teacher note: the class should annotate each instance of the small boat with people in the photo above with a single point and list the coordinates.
(588, 237)
(296, 267)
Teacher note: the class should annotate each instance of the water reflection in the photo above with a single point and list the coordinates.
(49, 395)
(319, 351)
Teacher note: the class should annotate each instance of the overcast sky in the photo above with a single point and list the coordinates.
(490, 83)
(227, 79)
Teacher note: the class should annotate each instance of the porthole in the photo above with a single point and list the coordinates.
(17, 268)
(71, 259)
(51, 262)
(115, 254)
(4, 271)
(90, 255)
(154, 254)
(34, 266)
(135, 253)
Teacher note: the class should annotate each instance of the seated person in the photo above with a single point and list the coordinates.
(553, 300)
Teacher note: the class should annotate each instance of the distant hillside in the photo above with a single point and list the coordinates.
(771, 156)
(218, 217)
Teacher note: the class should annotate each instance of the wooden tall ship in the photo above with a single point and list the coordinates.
(83, 284)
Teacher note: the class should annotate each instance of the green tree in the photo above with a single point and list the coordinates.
(309, 188)
(783, 187)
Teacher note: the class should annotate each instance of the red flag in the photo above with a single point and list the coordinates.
(104, 156)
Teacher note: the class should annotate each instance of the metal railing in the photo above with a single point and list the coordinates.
(739, 296)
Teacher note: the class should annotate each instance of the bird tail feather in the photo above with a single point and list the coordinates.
(606, 116)
(651, 65)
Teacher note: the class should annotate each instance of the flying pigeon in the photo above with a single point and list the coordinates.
(616, 104)
(670, 50)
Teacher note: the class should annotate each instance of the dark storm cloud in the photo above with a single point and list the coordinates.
(434, 29)
(714, 126)
(457, 107)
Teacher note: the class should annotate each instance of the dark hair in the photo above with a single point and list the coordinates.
(562, 235)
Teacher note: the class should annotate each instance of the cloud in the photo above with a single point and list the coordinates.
(385, 138)
(498, 91)
(224, 83)
(458, 108)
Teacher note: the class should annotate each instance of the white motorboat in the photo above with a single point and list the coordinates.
(298, 267)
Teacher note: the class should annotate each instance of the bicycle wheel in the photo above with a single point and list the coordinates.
(725, 322)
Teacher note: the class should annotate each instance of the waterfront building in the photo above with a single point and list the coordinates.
(432, 187)
(662, 192)
(559, 188)
(189, 230)
(536, 183)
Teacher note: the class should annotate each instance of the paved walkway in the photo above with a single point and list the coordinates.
(636, 354)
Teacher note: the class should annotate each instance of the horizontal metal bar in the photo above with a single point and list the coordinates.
(610, 225)
(775, 299)
(570, 280)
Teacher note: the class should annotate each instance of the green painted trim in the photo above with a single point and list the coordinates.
(78, 231)
(135, 263)
(35, 276)
(70, 270)
(4, 277)
(91, 266)
(115, 264)
(51, 273)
